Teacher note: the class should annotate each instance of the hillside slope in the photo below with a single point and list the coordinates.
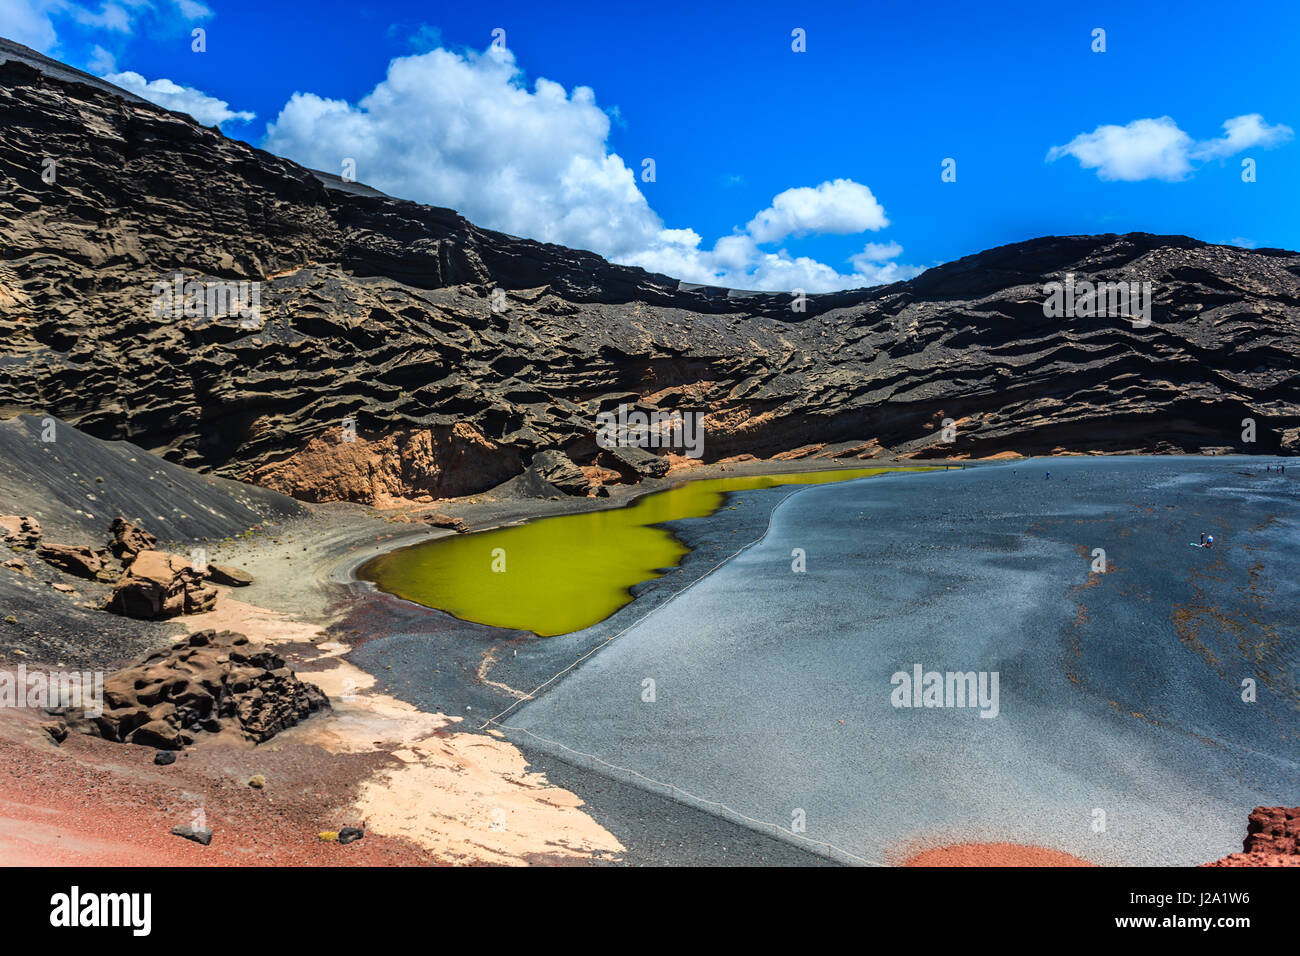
(381, 310)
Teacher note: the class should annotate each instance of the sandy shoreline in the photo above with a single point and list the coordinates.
(403, 754)
(427, 786)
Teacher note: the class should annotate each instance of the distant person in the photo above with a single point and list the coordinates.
(1048, 475)
(1202, 539)
(1209, 542)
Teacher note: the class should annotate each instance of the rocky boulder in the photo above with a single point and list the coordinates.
(440, 520)
(128, 540)
(229, 575)
(211, 682)
(20, 531)
(557, 469)
(79, 561)
(161, 585)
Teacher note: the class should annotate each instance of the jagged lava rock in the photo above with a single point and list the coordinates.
(211, 682)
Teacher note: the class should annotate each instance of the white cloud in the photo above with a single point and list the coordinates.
(208, 110)
(29, 22)
(1243, 242)
(35, 23)
(1242, 132)
(880, 251)
(1158, 149)
(464, 131)
(101, 62)
(1144, 149)
(841, 207)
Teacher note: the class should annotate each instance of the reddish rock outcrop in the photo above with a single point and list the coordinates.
(79, 561)
(128, 540)
(1272, 839)
(442, 462)
(161, 585)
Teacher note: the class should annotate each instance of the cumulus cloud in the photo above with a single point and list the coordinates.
(841, 207)
(29, 22)
(36, 23)
(208, 110)
(1159, 149)
(463, 130)
(1240, 133)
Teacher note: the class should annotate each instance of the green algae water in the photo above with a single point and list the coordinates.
(566, 572)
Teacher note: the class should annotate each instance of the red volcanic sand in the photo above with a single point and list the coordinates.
(96, 803)
(993, 854)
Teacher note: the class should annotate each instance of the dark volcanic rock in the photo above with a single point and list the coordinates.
(556, 469)
(212, 682)
(376, 321)
(197, 834)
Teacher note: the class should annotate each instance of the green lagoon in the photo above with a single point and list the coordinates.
(561, 574)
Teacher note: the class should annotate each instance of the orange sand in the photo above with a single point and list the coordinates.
(993, 854)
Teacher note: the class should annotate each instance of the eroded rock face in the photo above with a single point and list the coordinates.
(20, 531)
(439, 463)
(1272, 839)
(211, 682)
(380, 311)
(128, 540)
(160, 585)
(79, 561)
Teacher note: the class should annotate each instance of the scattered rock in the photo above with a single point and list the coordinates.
(229, 575)
(164, 758)
(440, 520)
(257, 781)
(557, 469)
(161, 585)
(18, 565)
(213, 682)
(57, 731)
(350, 835)
(129, 540)
(81, 562)
(197, 834)
(64, 588)
(20, 531)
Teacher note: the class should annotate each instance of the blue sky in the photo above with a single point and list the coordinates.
(816, 169)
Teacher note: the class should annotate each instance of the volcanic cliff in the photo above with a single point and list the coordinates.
(459, 354)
